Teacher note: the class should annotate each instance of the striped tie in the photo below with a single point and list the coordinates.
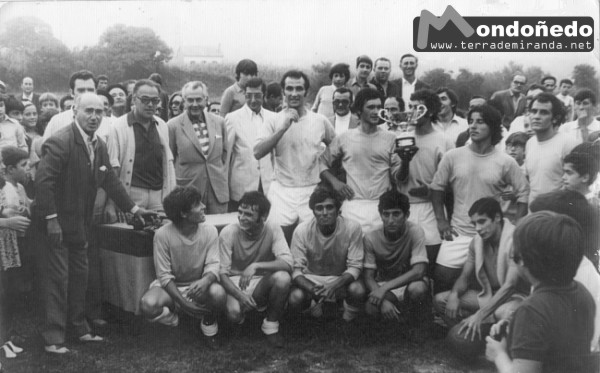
(202, 133)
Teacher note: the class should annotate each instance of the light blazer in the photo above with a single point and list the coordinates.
(244, 170)
(123, 137)
(65, 184)
(192, 167)
(354, 121)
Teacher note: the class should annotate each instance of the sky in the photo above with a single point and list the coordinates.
(302, 33)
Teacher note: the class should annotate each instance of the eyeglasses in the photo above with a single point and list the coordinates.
(149, 100)
(321, 208)
(192, 100)
(256, 96)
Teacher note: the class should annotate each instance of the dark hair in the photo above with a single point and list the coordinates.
(296, 74)
(256, 83)
(548, 77)
(340, 68)
(65, 99)
(584, 93)
(575, 205)
(258, 200)
(550, 245)
(486, 206)
(48, 97)
(81, 75)
(274, 89)
(13, 104)
(156, 78)
(401, 104)
(492, 118)
(343, 90)
(143, 82)
(364, 58)
(517, 139)
(363, 96)
(11, 155)
(104, 93)
(181, 200)
(321, 193)
(393, 199)
(451, 95)
(210, 104)
(585, 160)
(409, 55)
(118, 86)
(44, 119)
(101, 77)
(568, 81)
(430, 99)
(247, 67)
(558, 108)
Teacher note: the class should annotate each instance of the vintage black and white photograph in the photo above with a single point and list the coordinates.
(326, 186)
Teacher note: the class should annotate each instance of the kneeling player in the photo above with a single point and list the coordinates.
(255, 265)
(186, 258)
(395, 265)
(328, 255)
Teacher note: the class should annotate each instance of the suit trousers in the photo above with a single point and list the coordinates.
(64, 280)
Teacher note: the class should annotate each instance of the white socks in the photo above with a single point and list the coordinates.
(269, 327)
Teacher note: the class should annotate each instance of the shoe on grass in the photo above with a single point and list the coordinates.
(56, 349)
(90, 338)
(275, 340)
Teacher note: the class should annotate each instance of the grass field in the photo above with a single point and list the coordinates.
(311, 346)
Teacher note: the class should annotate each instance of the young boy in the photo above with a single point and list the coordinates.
(515, 147)
(15, 160)
(563, 95)
(550, 331)
(580, 170)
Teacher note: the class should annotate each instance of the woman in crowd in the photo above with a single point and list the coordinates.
(339, 75)
(175, 105)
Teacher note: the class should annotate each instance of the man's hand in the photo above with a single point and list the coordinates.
(499, 329)
(471, 326)
(421, 191)
(446, 230)
(247, 303)
(342, 189)
(291, 116)
(17, 223)
(452, 306)
(199, 288)
(54, 231)
(377, 296)
(327, 291)
(406, 153)
(142, 213)
(508, 196)
(247, 276)
(389, 311)
(494, 348)
(194, 309)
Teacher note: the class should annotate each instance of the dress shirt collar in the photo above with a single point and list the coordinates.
(251, 113)
(201, 119)
(28, 97)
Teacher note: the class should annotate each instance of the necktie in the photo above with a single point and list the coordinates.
(91, 146)
(202, 133)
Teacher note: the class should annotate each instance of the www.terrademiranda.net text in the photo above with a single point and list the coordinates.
(520, 46)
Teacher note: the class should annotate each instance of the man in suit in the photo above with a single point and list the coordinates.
(28, 94)
(511, 101)
(409, 83)
(198, 142)
(73, 166)
(343, 119)
(246, 174)
(382, 69)
(144, 161)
